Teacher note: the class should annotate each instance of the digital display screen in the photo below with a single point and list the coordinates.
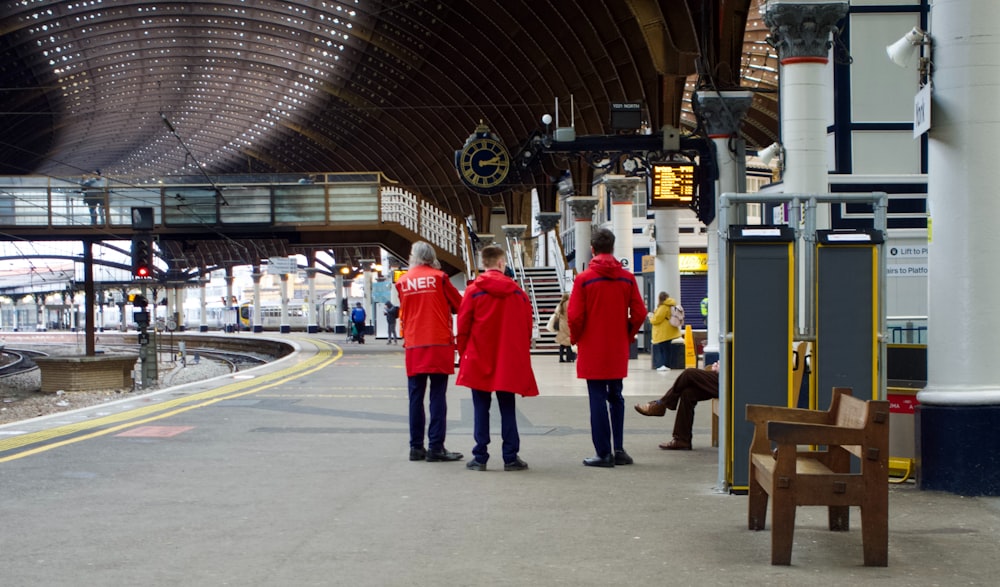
(672, 184)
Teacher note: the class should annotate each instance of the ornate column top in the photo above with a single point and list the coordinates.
(801, 30)
(486, 240)
(514, 231)
(583, 206)
(548, 220)
(723, 112)
(621, 189)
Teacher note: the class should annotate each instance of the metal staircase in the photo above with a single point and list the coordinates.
(543, 288)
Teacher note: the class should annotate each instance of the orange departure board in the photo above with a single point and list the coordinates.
(672, 184)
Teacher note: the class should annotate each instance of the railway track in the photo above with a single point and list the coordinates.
(15, 361)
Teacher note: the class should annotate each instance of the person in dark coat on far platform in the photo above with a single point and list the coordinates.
(358, 317)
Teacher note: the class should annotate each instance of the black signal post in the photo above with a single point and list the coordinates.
(142, 270)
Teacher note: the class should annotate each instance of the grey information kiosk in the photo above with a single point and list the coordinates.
(761, 266)
(848, 316)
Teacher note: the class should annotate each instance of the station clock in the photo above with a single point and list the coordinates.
(483, 163)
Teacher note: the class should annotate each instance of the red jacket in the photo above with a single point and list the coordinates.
(605, 313)
(494, 336)
(427, 299)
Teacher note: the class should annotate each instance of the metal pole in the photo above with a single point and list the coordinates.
(88, 294)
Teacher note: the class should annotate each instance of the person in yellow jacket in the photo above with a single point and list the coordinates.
(663, 331)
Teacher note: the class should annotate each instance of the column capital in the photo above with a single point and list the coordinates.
(583, 207)
(514, 231)
(485, 240)
(548, 220)
(621, 189)
(801, 30)
(723, 112)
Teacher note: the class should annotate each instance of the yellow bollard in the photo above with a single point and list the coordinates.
(690, 356)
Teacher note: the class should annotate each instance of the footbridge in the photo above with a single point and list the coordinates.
(204, 223)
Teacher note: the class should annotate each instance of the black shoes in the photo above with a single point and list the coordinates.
(434, 456)
(606, 461)
(515, 465)
(421, 454)
(622, 458)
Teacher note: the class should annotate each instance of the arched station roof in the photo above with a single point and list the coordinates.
(322, 85)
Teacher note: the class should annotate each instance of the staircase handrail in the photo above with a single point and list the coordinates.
(561, 264)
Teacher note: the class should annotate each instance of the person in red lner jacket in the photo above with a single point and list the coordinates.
(605, 313)
(494, 345)
(427, 300)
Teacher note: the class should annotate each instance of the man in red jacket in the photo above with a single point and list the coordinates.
(605, 313)
(427, 299)
(494, 343)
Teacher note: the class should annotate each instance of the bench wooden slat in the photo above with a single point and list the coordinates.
(800, 433)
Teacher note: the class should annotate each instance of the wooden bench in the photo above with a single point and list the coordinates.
(821, 475)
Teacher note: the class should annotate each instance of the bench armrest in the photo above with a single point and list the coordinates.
(759, 413)
(821, 434)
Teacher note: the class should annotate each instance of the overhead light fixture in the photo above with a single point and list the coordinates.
(768, 154)
(902, 51)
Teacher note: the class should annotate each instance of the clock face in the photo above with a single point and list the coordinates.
(484, 164)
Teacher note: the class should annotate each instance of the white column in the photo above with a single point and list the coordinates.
(721, 113)
(232, 321)
(179, 292)
(284, 326)
(666, 276)
(806, 88)
(622, 192)
(203, 301)
(256, 318)
(960, 406)
(313, 323)
(802, 33)
(338, 289)
(583, 217)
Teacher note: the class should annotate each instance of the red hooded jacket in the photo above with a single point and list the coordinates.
(605, 313)
(427, 299)
(494, 336)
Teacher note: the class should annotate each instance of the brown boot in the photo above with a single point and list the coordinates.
(675, 444)
(653, 408)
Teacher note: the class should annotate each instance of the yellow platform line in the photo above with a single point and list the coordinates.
(127, 419)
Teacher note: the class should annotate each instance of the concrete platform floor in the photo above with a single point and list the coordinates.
(297, 474)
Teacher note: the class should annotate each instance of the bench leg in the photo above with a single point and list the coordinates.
(875, 537)
(840, 518)
(757, 498)
(782, 530)
(715, 422)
